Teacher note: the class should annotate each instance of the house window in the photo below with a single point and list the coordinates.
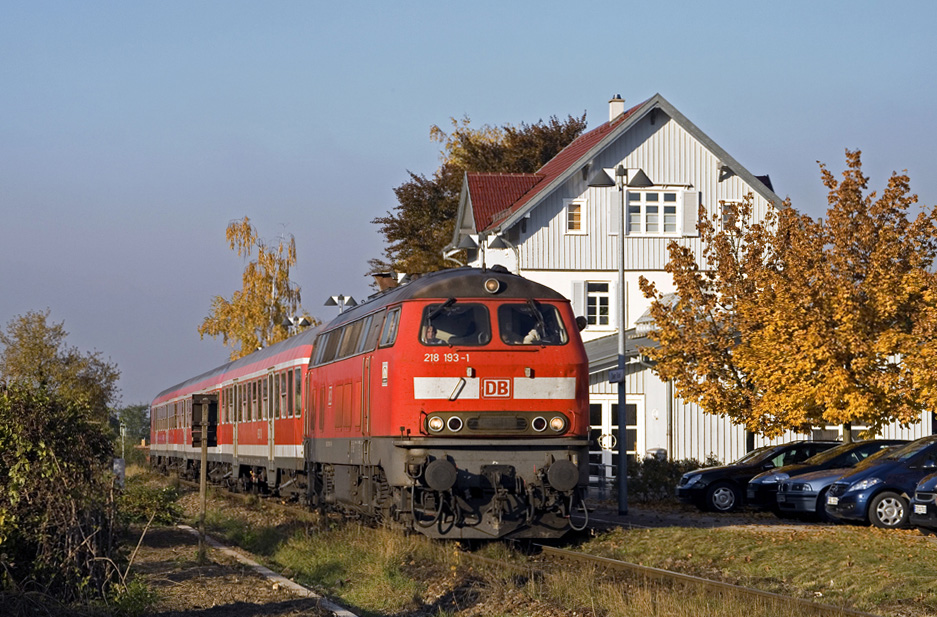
(574, 215)
(597, 298)
(730, 213)
(652, 212)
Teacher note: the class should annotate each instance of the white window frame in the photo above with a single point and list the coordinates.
(728, 212)
(567, 205)
(599, 295)
(640, 226)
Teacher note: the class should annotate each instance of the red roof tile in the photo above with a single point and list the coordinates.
(491, 193)
(500, 201)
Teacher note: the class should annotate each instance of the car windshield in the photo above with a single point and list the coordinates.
(883, 453)
(455, 323)
(756, 455)
(531, 324)
(910, 450)
(828, 455)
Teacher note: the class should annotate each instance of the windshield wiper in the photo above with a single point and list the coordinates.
(540, 323)
(440, 309)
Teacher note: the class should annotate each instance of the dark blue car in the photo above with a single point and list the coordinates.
(805, 494)
(763, 488)
(924, 504)
(880, 493)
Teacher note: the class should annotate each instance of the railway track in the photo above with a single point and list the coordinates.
(546, 558)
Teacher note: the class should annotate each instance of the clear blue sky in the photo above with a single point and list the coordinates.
(131, 133)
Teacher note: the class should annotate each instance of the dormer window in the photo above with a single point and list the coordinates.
(653, 213)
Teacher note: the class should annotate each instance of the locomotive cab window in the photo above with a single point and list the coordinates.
(531, 324)
(452, 323)
(389, 334)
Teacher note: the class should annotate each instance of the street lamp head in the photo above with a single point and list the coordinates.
(600, 179)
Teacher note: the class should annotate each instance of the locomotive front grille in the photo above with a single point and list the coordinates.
(497, 423)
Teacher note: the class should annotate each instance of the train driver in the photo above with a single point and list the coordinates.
(429, 335)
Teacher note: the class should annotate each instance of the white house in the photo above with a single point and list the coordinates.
(554, 228)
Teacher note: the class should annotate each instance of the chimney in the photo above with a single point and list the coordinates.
(616, 107)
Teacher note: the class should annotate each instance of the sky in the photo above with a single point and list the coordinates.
(132, 133)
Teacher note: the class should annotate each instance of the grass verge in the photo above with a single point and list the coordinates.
(880, 571)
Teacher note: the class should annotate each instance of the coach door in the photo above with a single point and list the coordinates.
(273, 404)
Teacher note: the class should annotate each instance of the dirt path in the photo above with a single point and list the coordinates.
(168, 562)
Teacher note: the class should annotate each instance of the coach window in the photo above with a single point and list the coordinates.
(274, 395)
(452, 323)
(297, 393)
(531, 324)
(286, 406)
(264, 404)
(389, 334)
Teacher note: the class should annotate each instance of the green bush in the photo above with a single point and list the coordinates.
(141, 501)
(654, 479)
(57, 497)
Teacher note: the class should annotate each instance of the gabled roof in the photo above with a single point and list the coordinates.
(493, 193)
(489, 195)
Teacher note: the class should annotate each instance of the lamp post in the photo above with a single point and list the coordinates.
(602, 180)
(341, 302)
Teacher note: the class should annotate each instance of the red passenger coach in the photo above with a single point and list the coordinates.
(455, 405)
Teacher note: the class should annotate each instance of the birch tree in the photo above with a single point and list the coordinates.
(253, 318)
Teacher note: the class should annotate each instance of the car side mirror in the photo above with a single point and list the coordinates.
(768, 465)
(929, 464)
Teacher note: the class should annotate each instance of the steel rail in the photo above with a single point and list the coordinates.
(670, 576)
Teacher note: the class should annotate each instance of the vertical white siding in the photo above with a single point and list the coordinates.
(668, 155)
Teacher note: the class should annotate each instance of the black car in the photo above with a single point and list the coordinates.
(763, 488)
(923, 506)
(722, 489)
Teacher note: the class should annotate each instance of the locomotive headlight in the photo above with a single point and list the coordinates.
(492, 286)
(436, 424)
(539, 424)
(558, 423)
(454, 424)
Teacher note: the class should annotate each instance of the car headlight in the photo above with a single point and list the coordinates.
(862, 485)
(691, 480)
(802, 487)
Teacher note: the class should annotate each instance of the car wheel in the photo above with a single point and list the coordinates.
(888, 510)
(722, 497)
(822, 515)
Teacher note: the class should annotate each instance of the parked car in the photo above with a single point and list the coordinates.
(805, 494)
(923, 506)
(722, 489)
(763, 488)
(880, 493)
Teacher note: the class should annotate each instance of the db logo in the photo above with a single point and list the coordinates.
(496, 388)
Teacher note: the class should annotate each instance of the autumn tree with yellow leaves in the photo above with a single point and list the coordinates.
(254, 316)
(793, 323)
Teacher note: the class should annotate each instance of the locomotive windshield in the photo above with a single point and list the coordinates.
(455, 323)
(531, 324)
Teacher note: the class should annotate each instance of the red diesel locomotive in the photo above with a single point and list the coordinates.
(455, 405)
